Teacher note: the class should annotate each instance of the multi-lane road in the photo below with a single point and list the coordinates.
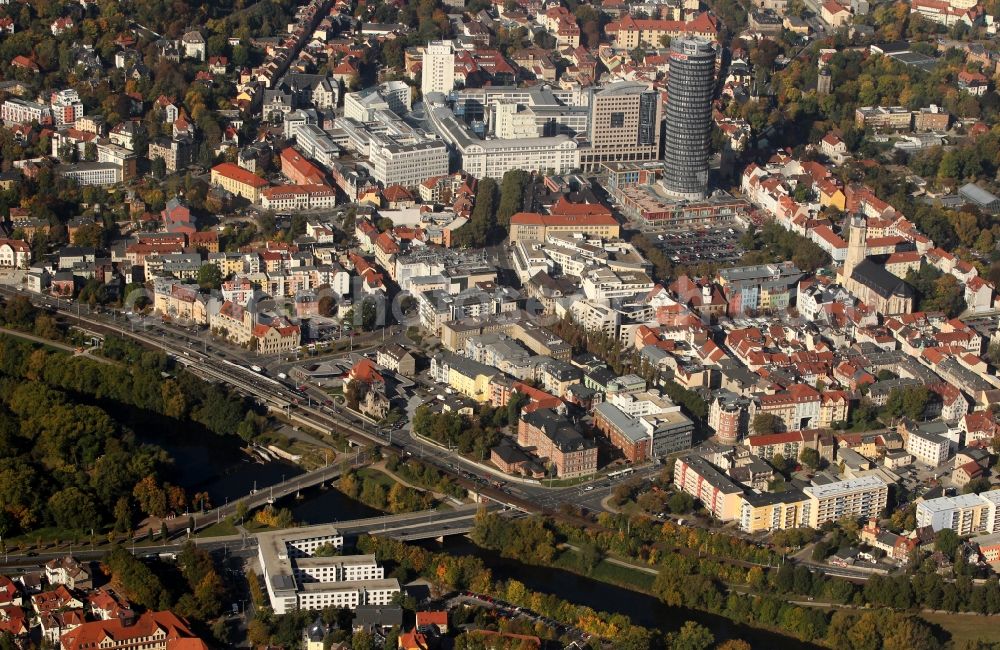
(213, 361)
(220, 362)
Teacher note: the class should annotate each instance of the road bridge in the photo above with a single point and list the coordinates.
(409, 526)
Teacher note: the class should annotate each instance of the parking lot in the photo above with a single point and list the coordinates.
(716, 246)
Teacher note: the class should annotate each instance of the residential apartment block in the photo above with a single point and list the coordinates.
(19, 111)
(769, 511)
(718, 493)
(928, 448)
(857, 498)
(965, 513)
(767, 287)
(468, 377)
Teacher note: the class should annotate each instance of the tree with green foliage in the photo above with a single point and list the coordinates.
(209, 277)
(691, 636)
(512, 189)
(680, 503)
(136, 581)
(482, 226)
(947, 541)
(936, 291)
(977, 485)
(906, 401)
(764, 423)
(811, 458)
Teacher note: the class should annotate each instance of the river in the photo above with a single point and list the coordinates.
(204, 462)
(643, 609)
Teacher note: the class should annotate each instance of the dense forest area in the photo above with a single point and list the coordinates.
(68, 461)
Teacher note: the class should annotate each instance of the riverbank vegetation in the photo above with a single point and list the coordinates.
(378, 490)
(730, 577)
(417, 472)
(71, 459)
(191, 587)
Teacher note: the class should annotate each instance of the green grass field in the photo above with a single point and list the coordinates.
(607, 572)
(964, 627)
(224, 527)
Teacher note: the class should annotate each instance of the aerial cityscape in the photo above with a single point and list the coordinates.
(499, 324)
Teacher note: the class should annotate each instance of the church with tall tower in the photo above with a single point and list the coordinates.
(868, 280)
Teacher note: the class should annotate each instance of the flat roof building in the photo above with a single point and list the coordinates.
(861, 497)
(720, 495)
(296, 578)
(624, 125)
(964, 513)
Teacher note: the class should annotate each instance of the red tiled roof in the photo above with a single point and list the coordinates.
(432, 618)
(397, 193)
(240, 175)
(365, 371)
(101, 633)
(305, 168)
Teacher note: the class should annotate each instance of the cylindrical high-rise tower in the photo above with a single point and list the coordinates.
(687, 139)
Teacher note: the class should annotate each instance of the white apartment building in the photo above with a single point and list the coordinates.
(438, 68)
(347, 568)
(395, 96)
(298, 197)
(92, 173)
(295, 120)
(19, 111)
(296, 578)
(347, 595)
(857, 498)
(928, 448)
(601, 283)
(409, 165)
(965, 514)
(67, 107)
(592, 316)
(14, 253)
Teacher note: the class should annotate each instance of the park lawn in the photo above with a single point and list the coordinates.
(25, 336)
(224, 527)
(52, 538)
(966, 627)
(619, 575)
(377, 475)
(567, 482)
(606, 572)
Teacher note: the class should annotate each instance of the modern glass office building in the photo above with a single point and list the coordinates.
(689, 118)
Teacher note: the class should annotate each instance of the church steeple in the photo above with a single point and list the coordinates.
(857, 244)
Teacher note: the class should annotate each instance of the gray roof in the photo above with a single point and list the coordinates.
(978, 195)
(878, 279)
(383, 615)
(558, 429)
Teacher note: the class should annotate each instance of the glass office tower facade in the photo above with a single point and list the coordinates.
(687, 138)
